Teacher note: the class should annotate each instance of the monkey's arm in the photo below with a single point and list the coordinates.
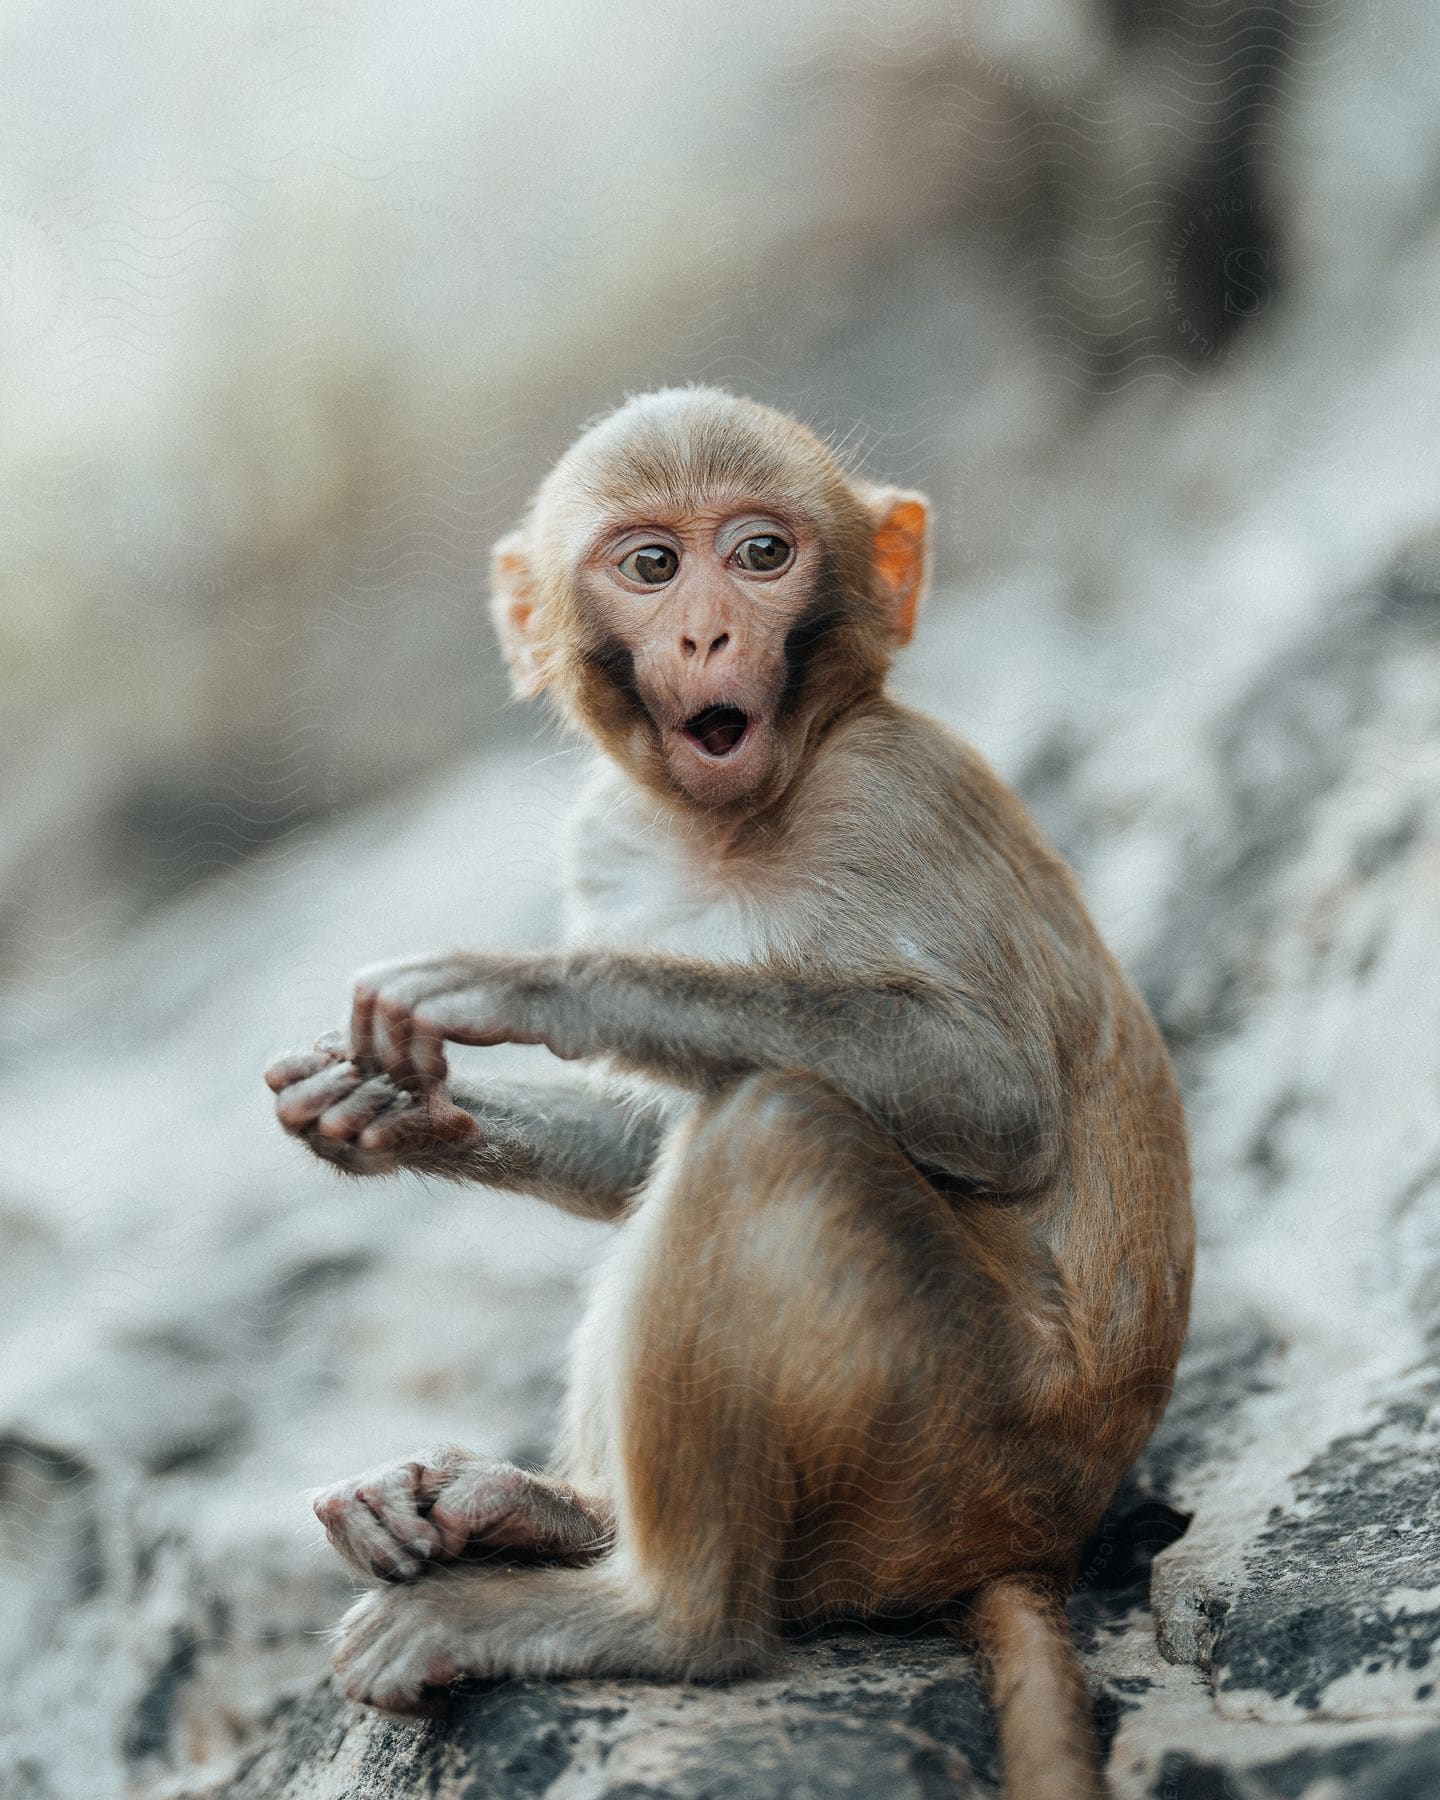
(577, 1149)
(950, 1087)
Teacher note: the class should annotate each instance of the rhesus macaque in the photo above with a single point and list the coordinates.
(893, 1153)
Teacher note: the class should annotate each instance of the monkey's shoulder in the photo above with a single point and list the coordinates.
(907, 820)
(890, 758)
(896, 789)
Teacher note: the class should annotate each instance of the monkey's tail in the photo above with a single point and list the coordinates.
(1047, 1741)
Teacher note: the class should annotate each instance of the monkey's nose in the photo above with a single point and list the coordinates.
(690, 647)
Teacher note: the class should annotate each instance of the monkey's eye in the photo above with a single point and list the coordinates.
(654, 564)
(764, 554)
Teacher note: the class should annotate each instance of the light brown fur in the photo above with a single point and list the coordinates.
(903, 1260)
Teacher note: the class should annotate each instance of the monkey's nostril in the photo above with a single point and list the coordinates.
(688, 645)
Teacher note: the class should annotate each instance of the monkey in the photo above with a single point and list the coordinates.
(891, 1152)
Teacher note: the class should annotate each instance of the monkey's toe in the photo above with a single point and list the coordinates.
(394, 1654)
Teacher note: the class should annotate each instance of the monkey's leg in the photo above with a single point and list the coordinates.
(397, 1522)
(803, 1355)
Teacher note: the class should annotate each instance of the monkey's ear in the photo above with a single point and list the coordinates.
(513, 608)
(900, 555)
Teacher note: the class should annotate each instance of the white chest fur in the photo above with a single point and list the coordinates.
(634, 880)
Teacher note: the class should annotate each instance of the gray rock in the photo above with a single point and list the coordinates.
(838, 1720)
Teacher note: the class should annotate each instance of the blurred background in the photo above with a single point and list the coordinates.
(297, 303)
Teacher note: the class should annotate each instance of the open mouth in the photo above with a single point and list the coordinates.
(718, 730)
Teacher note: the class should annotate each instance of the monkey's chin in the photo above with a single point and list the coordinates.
(727, 779)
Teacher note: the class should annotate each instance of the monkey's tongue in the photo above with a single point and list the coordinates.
(718, 729)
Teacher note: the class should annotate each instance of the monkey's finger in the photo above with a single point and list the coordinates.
(362, 1540)
(391, 1026)
(455, 1526)
(307, 1099)
(436, 1123)
(349, 1116)
(410, 1533)
(362, 1022)
(468, 1016)
(454, 1529)
(395, 1498)
(334, 1044)
(411, 1047)
(427, 1050)
(285, 1071)
(401, 1122)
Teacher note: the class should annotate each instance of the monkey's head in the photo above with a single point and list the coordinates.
(701, 586)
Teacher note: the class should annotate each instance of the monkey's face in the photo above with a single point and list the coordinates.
(701, 586)
(693, 613)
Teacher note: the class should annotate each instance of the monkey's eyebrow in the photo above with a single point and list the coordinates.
(669, 515)
(623, 523)
(597, 540)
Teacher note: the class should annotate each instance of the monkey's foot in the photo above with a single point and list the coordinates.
(397, 1645)
(398, 1521)
(395, 1650)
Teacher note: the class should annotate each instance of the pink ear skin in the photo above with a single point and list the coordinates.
(512, 606)
(901, 557)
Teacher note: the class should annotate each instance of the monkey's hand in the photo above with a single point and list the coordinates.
(404, 1011)
(362, 1121)
(447, 1503)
